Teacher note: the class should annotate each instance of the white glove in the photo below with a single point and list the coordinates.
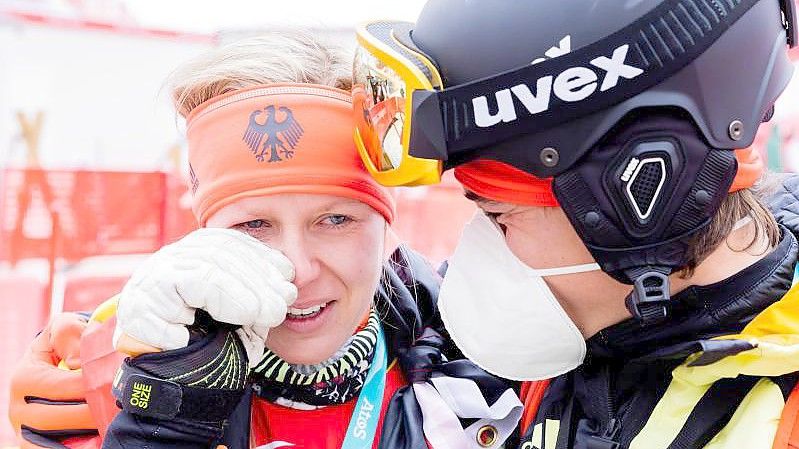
(232, 276)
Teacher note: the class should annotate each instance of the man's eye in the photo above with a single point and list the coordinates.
(255, 224)
(493, 216)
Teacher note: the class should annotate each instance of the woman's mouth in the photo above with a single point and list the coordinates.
(310, 318)
(302, 314)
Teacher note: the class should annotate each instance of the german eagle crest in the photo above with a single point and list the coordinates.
(281, 135)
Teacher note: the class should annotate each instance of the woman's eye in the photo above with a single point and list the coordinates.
(255, 224)
(337, 220)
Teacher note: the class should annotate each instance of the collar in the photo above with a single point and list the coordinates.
(701, 313)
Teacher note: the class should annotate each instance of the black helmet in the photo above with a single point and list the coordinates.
(633, 117)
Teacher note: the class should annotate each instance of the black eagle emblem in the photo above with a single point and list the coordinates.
(195, 183)
(281, 136)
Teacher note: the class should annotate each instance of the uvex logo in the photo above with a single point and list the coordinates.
(563, 47)
(571, 85)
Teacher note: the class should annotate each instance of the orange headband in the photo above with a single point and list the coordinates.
(501, 182)
(277, 138)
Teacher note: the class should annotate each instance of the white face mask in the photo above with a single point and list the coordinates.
(502, 314)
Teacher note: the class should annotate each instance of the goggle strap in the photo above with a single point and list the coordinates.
(427, 126)
(649, 50)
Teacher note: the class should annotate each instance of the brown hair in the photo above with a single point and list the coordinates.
(738, 205)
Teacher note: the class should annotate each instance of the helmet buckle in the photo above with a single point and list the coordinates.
(648, 302)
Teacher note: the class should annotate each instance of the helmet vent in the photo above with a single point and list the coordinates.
(644, 185)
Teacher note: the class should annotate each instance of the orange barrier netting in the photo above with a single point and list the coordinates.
(96, 213)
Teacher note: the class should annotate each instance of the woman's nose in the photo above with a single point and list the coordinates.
(296, 247)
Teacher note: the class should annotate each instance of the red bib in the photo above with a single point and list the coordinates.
(323, 428)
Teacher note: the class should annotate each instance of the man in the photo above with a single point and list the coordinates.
(606, 135)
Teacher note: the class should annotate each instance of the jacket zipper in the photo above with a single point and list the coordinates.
(610, 436)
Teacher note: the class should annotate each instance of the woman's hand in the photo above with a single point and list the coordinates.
(232, 276)
(180, 398)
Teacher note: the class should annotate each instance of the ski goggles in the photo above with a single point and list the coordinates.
(540, 118)
(385, 74)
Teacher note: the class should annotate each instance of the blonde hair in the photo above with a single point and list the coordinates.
(295, 56)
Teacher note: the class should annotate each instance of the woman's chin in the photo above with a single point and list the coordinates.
(313, 339)
(304, 350)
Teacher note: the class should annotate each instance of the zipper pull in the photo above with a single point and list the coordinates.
(608, 438)
(613, 429)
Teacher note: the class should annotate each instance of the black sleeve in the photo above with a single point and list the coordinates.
(130, 431)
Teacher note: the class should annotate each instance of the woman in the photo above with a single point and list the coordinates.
(292, 275)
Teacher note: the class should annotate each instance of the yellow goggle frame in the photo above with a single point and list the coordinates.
(394, 59)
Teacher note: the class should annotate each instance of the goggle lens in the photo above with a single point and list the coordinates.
(380, 94)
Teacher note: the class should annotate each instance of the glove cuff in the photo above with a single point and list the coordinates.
(141, 394)
(202, 382)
